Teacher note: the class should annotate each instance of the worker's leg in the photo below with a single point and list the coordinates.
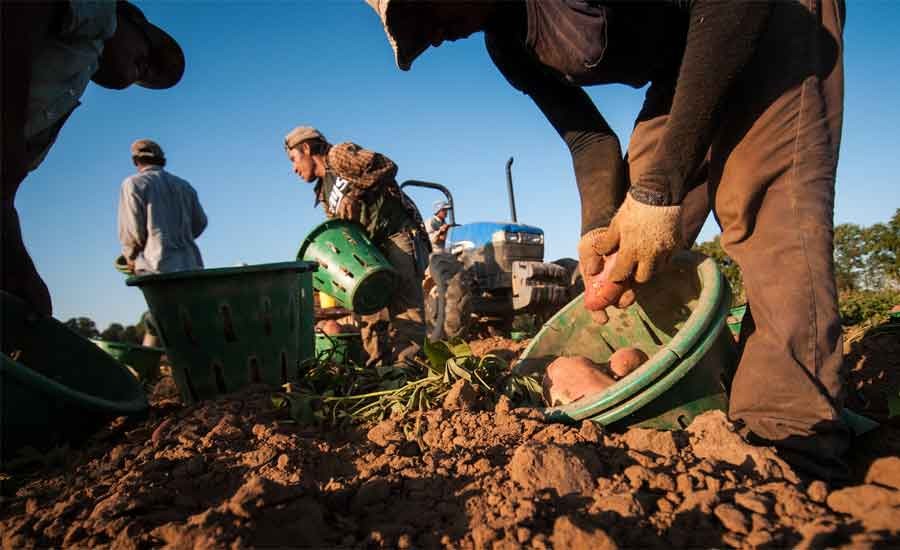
(406, 309)
(374, 329)
(25, 26)
(775, 163)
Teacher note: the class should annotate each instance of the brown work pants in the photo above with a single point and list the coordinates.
(397, 331)
(770, 180)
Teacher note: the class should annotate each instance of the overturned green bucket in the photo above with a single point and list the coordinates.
(143, 359)
(678, 320)
(351, 269)
(55, 386)
(229, 327)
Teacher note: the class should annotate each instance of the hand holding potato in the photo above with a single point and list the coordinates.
(600, 292)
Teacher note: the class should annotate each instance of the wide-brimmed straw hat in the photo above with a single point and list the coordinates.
(406, 38)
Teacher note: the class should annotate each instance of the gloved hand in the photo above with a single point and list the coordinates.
(600, 291)
(643, 236)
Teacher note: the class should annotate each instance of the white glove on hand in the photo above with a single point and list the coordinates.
(643, 236)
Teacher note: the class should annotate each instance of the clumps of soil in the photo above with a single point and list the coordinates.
(506, 349)
(236, 472)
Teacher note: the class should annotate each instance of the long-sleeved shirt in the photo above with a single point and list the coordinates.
(159, 218)
(61, 68)
(689, 52)
(367, 177)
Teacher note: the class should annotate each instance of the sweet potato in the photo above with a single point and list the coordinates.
(599, 294)
(568, 379)
(330, 327)
(625, 360)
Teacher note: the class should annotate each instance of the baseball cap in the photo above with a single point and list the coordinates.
(300, 134)
(440, 205)
(147, 148)
(165, 63)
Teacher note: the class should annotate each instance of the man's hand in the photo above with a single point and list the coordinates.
(348, 209)
(442, 230)
(644, 238)
(600, 291)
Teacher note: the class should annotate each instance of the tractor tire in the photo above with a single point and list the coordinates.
(576, 283)
(458, 306)
(448, 304)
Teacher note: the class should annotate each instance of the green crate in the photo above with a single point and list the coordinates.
(229, 327)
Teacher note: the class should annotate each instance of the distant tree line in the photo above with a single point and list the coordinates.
(866, 266)
(115, 332)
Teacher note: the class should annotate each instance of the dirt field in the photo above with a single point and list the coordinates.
(473, 474)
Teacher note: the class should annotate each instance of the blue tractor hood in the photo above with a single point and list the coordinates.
(480, 234)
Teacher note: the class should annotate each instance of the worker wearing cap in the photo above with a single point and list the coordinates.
(51, 50)
(160, 217)
(743, 113)
(356, 184)
(437, 226)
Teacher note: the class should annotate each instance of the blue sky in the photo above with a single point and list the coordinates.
(256, 70)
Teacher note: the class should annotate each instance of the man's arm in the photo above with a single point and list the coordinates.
(25, 25)
(132, 221)
(596, 153)
(364, 169)
(722, 37)
(198, 217)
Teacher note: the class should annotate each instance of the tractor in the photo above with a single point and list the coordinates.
(490, 272)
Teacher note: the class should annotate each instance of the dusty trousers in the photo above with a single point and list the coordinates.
(770, 181)
(398, 330)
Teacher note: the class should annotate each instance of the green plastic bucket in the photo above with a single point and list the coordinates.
(351, 269)
(339, 348)
(55, 386)
(678, 320)
(144, 360)
(228, 327)
(735, 318)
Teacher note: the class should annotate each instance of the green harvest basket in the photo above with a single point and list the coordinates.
(55, 386)
(144, 360)
(339, 348)
(351, 269)
(678, 320)
(735, 318)
(229, 327)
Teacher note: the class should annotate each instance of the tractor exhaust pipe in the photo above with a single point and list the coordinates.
(509, 188)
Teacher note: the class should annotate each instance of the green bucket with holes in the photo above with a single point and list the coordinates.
(142, 360)
(229, 327)
(351, 269)
(678, 320)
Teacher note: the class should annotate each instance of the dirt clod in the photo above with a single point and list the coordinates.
(236, 472)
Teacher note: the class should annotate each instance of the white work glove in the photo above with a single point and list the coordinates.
(643, 237)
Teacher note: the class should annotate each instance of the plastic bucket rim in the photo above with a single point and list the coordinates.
(711, 284)
(216, 272)
(127, 346)
(667, 381)
(39, 383)
(315, 233)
